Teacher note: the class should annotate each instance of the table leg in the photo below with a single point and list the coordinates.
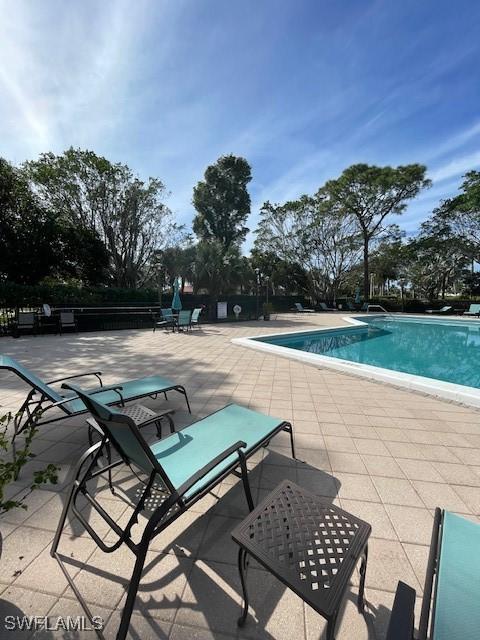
(331, 622)
(242, 568)
(361, 589)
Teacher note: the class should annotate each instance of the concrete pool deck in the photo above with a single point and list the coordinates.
(385, 454)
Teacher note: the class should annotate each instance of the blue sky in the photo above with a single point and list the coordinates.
(302, 89)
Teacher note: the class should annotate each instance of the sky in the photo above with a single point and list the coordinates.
(300, 88)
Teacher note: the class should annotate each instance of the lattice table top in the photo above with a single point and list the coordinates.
(309, 544)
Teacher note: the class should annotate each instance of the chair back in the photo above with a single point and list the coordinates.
(323, 306)
(122, 433)
(474, 308)
(167, 314)
(26, 319)
(195, 314)
(184, 318)
(67, 318)
(30, 378)
(299, 306)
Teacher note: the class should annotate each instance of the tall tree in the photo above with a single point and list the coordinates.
(370, 194)
(461, 214)
(35, 242)
(222, 202)
(129, 215)
(315, 234)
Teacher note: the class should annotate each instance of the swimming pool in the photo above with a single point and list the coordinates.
(439, 355)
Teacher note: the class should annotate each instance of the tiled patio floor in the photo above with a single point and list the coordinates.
(387, 455)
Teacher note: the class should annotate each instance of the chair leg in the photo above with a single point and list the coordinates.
(76, 486)
(289, 428)
(132, 590)
(246, 483)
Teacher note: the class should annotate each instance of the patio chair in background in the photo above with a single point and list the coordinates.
(453, 577)
(474, 310)
(42, 397)
(195, 319)
(26, 321)
(443, 311)
(324, 307)
(67, 321)
(183, 320)
(301, 309)
(179, 470)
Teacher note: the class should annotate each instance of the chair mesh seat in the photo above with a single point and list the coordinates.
(310, 544)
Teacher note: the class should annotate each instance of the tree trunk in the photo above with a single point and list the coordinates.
(366, 284)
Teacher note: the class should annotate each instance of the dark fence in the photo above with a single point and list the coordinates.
(135, 313)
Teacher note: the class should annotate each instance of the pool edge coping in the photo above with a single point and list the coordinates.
(450, 391)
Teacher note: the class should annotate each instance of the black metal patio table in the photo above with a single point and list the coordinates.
(309, 544)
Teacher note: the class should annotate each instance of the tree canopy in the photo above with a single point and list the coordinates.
(128, 214)
(222, 202)
(36, 242)
(370, 194)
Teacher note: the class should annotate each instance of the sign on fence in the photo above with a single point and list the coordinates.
(221, 310)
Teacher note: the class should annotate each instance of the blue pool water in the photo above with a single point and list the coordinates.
(440, 349)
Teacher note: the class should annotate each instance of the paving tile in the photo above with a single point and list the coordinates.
(141, 627)
(418, 557)
(415, 470)
(350, 623)
(382, 466)
(20, 549)
(371, 447)
(387, 564)
(16, 601)
(375, 514)
(348, 462)
(440, 495)
(212, 599)
(75, 551)
(396, 491)
(457, 474)
(411, 524)
(355, 487)
(468, 456)
(339, 443)
(470, 496)
(179, 632)
(404, 450)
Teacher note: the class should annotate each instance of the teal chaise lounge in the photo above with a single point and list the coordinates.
(175, 472)
(43, 398)
(474, 310)
(446, 310)
(451, 595)
(301, 309)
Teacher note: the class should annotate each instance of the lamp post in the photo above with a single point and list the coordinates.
(257, 281)
(267, 281)
(160, 283)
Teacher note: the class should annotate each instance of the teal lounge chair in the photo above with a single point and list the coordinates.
(301, 309)
(453, 578)
(167, 319)
(183, 320)
(43, 398)
(443, 311)
(474, 310)
(194, 320)
(324, 307)
(177, 472)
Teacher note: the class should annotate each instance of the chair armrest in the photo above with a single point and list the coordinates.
(188, 484)
(402, 619)
(97, 374)
(92, 392)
